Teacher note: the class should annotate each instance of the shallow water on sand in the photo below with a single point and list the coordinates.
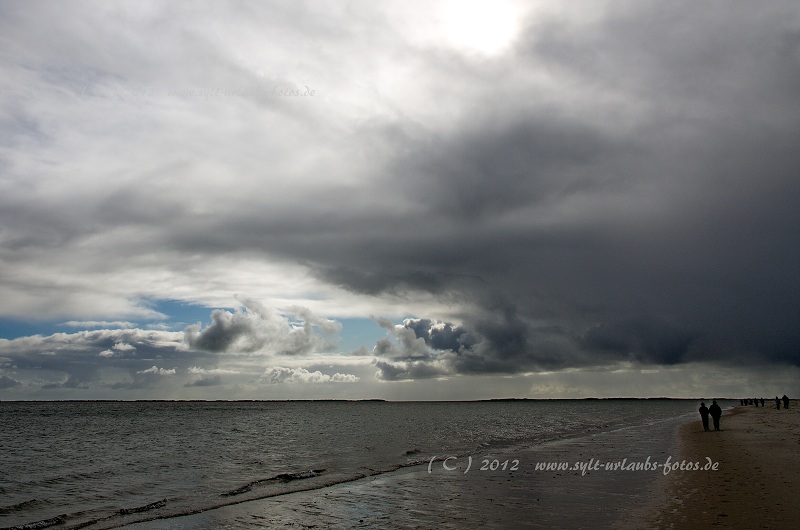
(118, 462)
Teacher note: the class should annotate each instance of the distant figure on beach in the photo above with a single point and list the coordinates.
(785, 401)
(777, 403)
(715, 412)
(762, 402)
(704, 415)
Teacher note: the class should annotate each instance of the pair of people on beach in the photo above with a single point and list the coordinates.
(714, 410)
(785, 399)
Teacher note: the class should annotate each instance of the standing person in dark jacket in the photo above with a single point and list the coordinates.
(704, 415)
(715, 412)
(785, 401)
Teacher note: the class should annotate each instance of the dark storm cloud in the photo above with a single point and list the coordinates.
(643, 204)
(497, 166)
(440, 335)
(226, 329)
(376, 283)
(404, 370)
(492, 342)
(642, 340)
(666, 236)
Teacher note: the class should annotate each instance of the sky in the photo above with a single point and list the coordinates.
(399, 199)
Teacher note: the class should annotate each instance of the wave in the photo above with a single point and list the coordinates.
(285, 477)
(145, 508)
(155, 510)
(59, 519)
(25, 505)
(64, 518)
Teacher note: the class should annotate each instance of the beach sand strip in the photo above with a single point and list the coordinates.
(758, 481)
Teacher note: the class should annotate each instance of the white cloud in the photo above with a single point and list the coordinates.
(154, 370)
(257, 329)
(108, 324)
(210, 371)
(278, 374)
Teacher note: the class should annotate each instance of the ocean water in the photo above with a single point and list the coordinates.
(115, 463)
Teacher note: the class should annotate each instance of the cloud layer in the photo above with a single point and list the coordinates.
(234, 346)
(604, 186)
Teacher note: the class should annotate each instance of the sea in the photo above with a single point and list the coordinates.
(112, 463)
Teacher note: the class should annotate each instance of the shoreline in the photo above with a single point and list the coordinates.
(756, 485)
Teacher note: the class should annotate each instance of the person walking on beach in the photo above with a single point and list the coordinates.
(715, 412)
(777, 403)
(704, 415)
(785, 401)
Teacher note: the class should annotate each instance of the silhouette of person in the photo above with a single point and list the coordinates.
(785, 402)
(704, 415)
(715, 412)
(762, 402)
(777, 403)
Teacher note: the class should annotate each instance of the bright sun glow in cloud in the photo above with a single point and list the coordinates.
(483, 26)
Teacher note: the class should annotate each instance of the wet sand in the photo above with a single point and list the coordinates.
(758, 482)
(523, 497)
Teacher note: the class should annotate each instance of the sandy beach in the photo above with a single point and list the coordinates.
(758, 481)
